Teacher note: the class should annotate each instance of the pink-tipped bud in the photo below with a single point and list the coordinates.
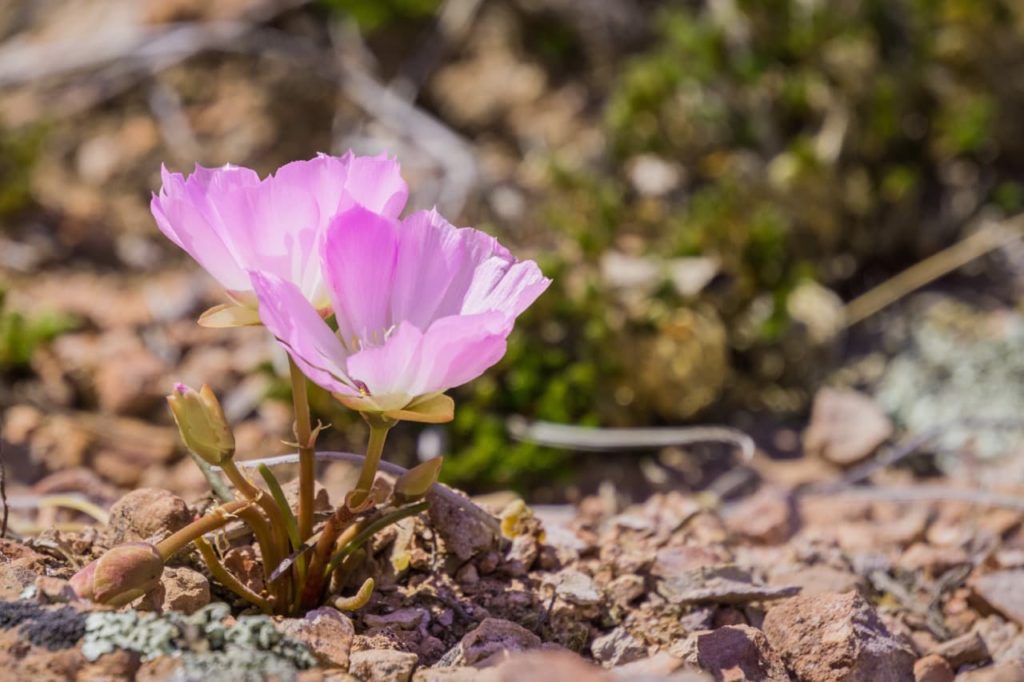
(201, 423)
(121, 575)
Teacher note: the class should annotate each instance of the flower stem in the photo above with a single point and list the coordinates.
(270, 531)
(379, 428)
(307, 456)
(218, 517)
(227, 579)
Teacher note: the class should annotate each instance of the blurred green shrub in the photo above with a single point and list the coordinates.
(805, 145)
(21, 335)
(371, 15)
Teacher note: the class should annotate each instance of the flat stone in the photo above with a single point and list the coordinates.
(494, 637)
(968, 649)
(616, 648)
(739, 653)
(768, 517)
(830, 637)
(147, 514)
(724, 584)
(846, 427)
(382, 665)
(577, 588)
(819, 579)
(326, 631)
(1002, 592)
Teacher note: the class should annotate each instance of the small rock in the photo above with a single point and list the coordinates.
(467, 575)
(932, 668)
(725, 584)
(768, 517)
(464, 534)
(327, 632)
(846, 427)
(738, 653)
(836, 637)
(932, 560)
(1012, 671)
(577, 588)
(185, 590)
(819, 579)
(146, 514)
(493, 637)
(964, 650)
(1001, 591)
(616, 648)
(625, 589)
(547, 666)
(51, 590)
(382, 665)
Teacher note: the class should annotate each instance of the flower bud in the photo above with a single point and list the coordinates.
(201, 423)
(121, 575)
(416, 482)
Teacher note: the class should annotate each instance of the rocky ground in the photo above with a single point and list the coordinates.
(803, 578)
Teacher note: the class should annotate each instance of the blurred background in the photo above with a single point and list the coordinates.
(710, 183)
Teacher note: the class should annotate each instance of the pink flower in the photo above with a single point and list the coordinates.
(231, 222)
(421, 307)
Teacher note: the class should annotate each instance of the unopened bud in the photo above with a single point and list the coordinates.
(201, 423)
(121, 575)
(416, 482)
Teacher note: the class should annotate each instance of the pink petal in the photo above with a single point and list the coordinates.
(273, 227)
(291, 318)
(376, 183)
(412, 363)
(192, 226)
(446, 271)
(358, 259)
(458, 349)
(388, 371)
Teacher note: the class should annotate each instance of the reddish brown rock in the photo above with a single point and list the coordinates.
(327, 632)
(147, 514)
(184, 590)
(739, 653)
(1002, 592)
(932, 668)
(768, 517)
(968, 649)
(830, 637)
(494, 638)
(819, 579)
(846, 427)
(382, 665)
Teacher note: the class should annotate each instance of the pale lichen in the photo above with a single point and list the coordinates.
(250, 648)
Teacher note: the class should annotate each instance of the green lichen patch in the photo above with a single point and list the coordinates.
(249, 648)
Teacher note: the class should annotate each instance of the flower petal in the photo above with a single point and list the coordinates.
(358, 259)
(458, 349)
(376, 183)
(389, 371)
(307, 338)
(185, 217)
